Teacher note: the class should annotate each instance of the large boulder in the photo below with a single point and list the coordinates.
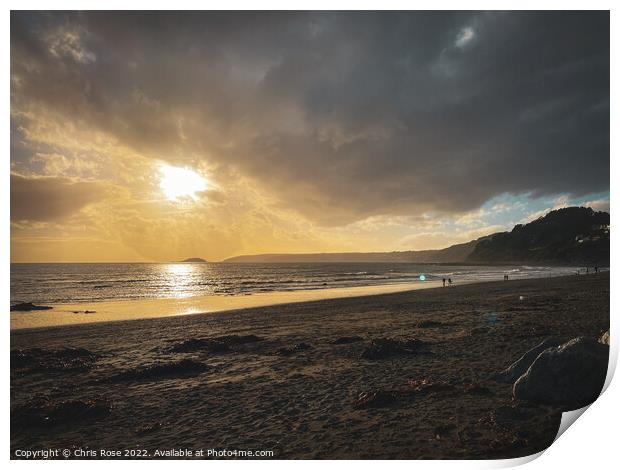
(518, 368)
(571, 375)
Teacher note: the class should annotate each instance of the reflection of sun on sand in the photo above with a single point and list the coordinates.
(65, 314)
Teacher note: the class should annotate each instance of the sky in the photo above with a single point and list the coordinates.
(141, 136)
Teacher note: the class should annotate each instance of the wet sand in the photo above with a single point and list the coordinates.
(97, 312)
(305, 380)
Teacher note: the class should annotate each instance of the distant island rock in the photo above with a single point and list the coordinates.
(569, 236)
(193, 260)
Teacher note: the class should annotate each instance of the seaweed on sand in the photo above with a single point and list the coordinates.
(178, 369)
(44, 360)
(217, 344)
(43, 412)
(383, 348)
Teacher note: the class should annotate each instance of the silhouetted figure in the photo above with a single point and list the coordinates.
(587, 270)
(444, 282)
(449, 281)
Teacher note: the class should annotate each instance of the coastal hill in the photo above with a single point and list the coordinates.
(446, 255)
(574, 235)
(193, 260)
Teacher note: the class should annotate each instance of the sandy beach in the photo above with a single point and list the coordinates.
(305, 380)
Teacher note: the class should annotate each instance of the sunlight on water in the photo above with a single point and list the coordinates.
(117, 291)
(67, 283)
(179, 277)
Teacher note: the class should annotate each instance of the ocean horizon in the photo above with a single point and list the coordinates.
(58, 283)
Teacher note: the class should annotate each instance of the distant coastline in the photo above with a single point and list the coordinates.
(292, 258)
(568, 237)
(572, 236)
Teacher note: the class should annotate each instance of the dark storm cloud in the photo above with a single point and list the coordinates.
(343, 115)
(50, 199)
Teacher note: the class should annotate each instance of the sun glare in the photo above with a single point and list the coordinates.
(177, 183)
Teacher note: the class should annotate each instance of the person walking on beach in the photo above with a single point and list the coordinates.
(449, 281)
(444, 282)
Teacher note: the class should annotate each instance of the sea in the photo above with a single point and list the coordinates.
(58, 283)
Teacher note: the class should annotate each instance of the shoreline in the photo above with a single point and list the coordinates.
(195, 306)
(71, 314)
(294, 385)
(81, 313)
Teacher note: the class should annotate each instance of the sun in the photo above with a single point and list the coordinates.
(178, 183)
